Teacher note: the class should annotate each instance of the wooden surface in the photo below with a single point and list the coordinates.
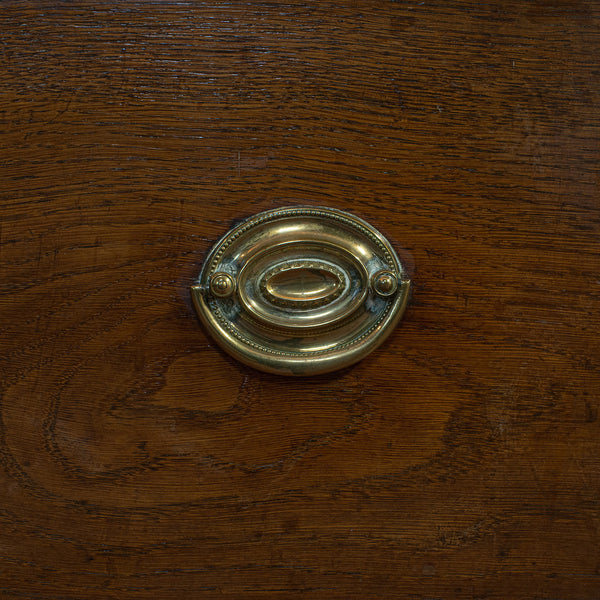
(460, 460)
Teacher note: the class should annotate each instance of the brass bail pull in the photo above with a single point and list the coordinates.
(301, 290)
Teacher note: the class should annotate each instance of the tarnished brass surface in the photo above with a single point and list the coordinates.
(301, 290)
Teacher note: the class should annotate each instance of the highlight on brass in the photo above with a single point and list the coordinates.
(301, 290)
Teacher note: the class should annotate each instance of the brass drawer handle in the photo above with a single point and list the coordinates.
(301, 290)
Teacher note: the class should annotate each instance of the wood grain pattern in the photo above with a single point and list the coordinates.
(460, 460)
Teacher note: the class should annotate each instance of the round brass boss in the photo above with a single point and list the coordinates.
(385, 283)
(222, 285)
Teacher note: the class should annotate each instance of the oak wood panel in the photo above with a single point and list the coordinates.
(460, 460)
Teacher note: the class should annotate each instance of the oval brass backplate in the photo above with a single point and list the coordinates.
(301, 290)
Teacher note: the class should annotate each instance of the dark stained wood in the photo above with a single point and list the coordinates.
(460, 460)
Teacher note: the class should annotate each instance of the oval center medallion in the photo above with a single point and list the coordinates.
(302, 285)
